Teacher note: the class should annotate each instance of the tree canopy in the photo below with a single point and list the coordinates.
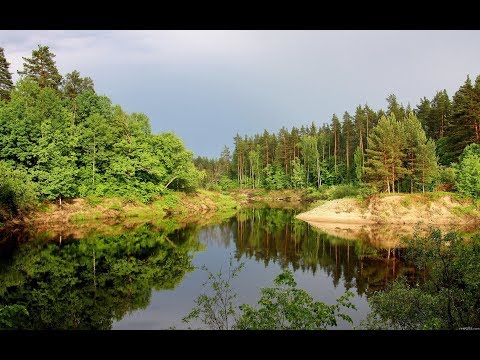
(75, 142)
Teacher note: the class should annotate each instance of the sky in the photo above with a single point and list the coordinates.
(207, 86)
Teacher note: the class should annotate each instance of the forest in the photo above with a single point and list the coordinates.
(398, 149)
(60, 139)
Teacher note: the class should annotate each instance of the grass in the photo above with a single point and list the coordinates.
(93, 200)
(335, 192)
(46, 207)
(175, 205)
(470, 210)
(223, 201)
(79, 217)
(406, 202)
(116, 207)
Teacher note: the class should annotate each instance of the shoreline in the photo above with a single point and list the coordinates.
(395, 209)
(195, 207)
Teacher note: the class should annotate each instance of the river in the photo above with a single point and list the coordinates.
(147, 277)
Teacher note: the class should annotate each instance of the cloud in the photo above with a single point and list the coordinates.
(220, 82)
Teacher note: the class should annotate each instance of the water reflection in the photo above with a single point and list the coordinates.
(89, 283)
(92, 281)
(275, 236)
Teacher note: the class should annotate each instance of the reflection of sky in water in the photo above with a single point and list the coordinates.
(167, 307)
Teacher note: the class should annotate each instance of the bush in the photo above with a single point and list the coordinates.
(446, 299)
(281, 307)
(338, 192)
(342, 191)
(9, 314)
(468, 178)
(366, 191)
(445, 178)
(17, 190)
(227, 184)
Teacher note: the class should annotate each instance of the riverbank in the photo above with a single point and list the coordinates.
(197, 207)
(398, 209)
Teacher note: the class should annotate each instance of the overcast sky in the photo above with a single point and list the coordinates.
(206, 86)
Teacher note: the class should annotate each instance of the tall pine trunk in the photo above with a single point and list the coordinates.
(335, 149)
(348, 156)
(412, 170)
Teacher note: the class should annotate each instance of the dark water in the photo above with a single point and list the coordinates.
(147, 278)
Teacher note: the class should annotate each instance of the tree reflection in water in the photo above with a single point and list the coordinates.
(89, 281)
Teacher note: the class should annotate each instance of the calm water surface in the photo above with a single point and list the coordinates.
(144, 277)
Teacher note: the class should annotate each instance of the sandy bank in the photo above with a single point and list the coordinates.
(404, 209)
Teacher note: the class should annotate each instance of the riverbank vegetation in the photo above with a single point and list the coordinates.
(447, 299)
(62, 140)
(433, 146)
(68, 154)
(446, 296)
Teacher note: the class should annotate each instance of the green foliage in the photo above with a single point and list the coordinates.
(385, 156)
(468, 178)
(285, 307)
(358, 159)
(366, 192)
(342, 191)
(281, 307)
(402, 307)
(446, 177)
(337, 191)
(73, 142)
(275, 178)
(17, 191)
(217, 311)
(73, 84)
(449, 297)
(41, 68)
(6, 83)
(9, 314)
(90, 283)
(461, 122)
(227, 184)
(298, 176)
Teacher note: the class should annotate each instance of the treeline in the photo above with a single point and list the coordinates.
(67, 140)
(399, 149)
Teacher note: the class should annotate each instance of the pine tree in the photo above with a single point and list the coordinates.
(73, 84)
(418, 153)
(385, 154)
(423, 114)
(41, 67)
(439, 115)
(395, 108)
(377, 166)
(348, 135)
(6, 83)
(360, 123)
(336, 139)
(427, 162)
(464, 127)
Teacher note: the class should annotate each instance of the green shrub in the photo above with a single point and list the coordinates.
(281, 307)
(365, 192)
(93, 200)
(10, 313)
(468, 178)
(446, 177)
(342, 191)
(227, 184)
(17, 191)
